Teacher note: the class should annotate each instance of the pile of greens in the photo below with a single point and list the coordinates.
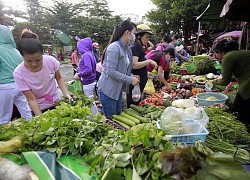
(225, 126)
(130, 155)
(64, 130)
(204, 65)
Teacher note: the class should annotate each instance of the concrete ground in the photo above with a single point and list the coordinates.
(66, 71)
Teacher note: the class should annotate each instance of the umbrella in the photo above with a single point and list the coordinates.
(62, 37)
(235, 34)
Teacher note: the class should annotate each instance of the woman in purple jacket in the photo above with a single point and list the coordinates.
(87, 69)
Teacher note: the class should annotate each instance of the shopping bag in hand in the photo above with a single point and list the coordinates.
(149, 88)
(136, 93)
(75, 86)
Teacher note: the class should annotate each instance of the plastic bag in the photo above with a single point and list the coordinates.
(183, 121)
(75, 86)
(136, 93)
(149, 88)
(197, 113)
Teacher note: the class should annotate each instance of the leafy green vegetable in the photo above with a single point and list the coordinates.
(136, 150)
(64, 130)
(225, 126)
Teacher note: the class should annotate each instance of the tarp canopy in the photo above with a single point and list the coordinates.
(236, 10)
(233, 10)
(234, 34)
(212, 12)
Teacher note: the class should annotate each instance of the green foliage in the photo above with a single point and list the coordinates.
(135, 151)
(225, 126)
(86, 19)
(176, 16)
(67, 129)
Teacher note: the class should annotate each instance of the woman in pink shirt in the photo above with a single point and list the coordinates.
(36, 75)
(74, 61)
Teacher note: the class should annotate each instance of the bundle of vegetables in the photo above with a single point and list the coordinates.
(185, 65)
(175, 68)
(138, 114)
(196, 163)
(239, 154)
(143, 153)
(225, 126)
(204, 65)
(82, 98)
(64, 130)
(130, 155)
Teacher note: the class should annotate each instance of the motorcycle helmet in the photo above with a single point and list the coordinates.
(143, 28)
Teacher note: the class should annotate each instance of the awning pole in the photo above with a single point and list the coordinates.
(198, 36)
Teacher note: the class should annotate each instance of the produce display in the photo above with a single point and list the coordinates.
(134, 144)
(224, 126)
(66, 129)
(138, 114)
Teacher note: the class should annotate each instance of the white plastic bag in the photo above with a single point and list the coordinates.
(136, 93)
(183, 121)
(197, 113)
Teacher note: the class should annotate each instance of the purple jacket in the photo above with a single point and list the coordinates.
(87, 64)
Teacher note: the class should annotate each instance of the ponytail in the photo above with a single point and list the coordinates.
(118, 32)
(29, 43)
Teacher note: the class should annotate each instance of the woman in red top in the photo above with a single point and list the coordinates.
(163, 62)
(74, 61)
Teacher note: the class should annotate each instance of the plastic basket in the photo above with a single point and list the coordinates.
(187, 138)
(221, 98)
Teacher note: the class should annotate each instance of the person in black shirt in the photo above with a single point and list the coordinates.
(139, 61)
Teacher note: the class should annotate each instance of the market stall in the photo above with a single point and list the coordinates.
(185, 133)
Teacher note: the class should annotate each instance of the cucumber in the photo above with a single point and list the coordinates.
(124, 120)
(148, 115)
(136, 108)
(134, 111)
(150, 109)
(162, 107)
(157, 115)
(152, 115)
(148, 105)
(124, 114)
(122, 124)
(131, 113)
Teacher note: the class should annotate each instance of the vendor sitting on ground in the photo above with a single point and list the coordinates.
(162, 58)
(236, 63)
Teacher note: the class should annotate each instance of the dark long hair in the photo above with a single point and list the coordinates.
(138, 41)
(29, 43)
(226, 45)
(167, 39)
(118, 33)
